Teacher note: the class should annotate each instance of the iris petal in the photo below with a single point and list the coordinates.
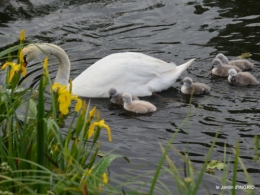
(22, 35)
(78, 105)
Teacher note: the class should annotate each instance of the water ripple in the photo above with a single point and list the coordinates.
(172, 31)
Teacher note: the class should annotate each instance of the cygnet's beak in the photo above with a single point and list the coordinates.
(110, 97)
(233, 79)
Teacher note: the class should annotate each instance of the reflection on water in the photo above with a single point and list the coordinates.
(172, 31)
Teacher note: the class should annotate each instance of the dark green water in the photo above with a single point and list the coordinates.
(172, 30)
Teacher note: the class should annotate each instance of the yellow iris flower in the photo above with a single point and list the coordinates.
(79, 102)
(45, 63)
(45, 67)
(92, 112)
(65, 98)
(104, 176)
(21, 60)
(15, 68)
(105, 179)
(22, 35)
(100, 124)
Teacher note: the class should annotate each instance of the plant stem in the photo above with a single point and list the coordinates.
(41, 134)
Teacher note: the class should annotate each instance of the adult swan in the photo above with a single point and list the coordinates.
(134, 73)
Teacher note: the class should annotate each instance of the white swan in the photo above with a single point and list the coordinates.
(197, 88)
(243, 64)
(137, 106)
(241, 78)
(135, 73)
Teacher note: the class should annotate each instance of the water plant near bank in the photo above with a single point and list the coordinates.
(35, 157)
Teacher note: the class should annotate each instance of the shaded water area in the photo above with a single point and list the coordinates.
(171, 30)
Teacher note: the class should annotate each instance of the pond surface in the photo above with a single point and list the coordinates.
(171, 30)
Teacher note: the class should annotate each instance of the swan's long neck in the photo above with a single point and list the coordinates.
(63, 73)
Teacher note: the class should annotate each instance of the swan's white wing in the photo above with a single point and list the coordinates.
(131, 60)
(135, 73)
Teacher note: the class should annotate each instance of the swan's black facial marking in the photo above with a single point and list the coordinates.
(24, 59)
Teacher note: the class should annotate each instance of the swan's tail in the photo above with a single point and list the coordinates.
(184, 66)
(181, 68)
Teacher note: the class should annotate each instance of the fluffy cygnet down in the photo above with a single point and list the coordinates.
(222, 69)
(241, 78)
(243, 64)
(116, 98)
(137, 106)
(196, 88)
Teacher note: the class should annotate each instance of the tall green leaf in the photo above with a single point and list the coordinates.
(41, 134)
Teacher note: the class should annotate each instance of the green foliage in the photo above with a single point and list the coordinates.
(215, 164)
(245, 55)
(35, 158)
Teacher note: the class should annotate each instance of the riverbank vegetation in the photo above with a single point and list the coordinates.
(37, 158)
(34, 154)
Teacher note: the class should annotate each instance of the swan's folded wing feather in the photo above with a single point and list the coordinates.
(127, 72)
